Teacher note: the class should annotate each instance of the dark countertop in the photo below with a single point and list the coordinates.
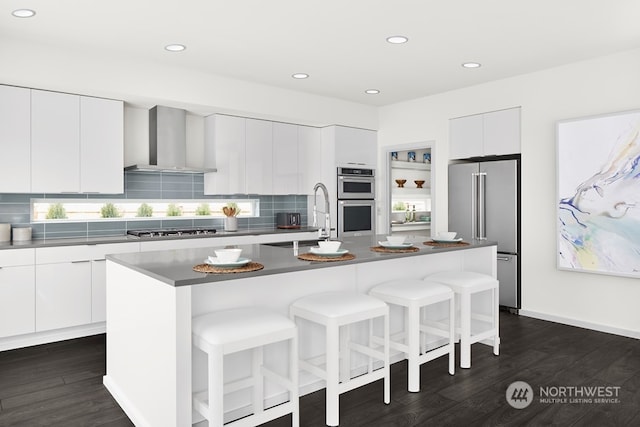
(176, 267)
(44, 243)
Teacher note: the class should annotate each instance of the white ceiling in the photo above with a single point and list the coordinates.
(339, 43)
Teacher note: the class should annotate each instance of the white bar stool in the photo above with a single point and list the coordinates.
(416, 297)
(334, 310)
(485, 326)
(230, 331)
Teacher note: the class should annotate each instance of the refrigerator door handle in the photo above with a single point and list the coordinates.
(482, 225)
(503, 258)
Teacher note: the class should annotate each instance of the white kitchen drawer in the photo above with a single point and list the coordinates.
(13, 257)
(62, 254)
(98, 252)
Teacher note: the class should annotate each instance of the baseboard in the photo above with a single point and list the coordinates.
(129, 409)
(37, 338)
(581, 324)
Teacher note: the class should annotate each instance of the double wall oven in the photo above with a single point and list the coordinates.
(356, 202)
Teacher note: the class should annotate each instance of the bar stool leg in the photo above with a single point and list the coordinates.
(387, 369)
(412, 329)
(293, 374)
(333, 375)
(216, 388)
(496, 321)
(258, 381)
(452, 336)
(465, 330)
(345, 354)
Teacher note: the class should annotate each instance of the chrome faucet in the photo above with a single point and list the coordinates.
(325, 232)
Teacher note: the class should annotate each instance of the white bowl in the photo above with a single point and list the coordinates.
(446, 235)
(329, 246)
(228, 255)
(396, 240)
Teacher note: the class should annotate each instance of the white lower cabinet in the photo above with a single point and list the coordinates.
(63, 295)
(63, 287)
(99, 276)
(17, 292)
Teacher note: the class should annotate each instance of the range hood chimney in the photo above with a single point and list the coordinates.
(167, 142)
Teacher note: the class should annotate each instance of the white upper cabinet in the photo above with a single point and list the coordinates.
(285, 158)
(60, 143)
(15, 139)
(502, 132)
(55, 142)
(101, 145)
(259, 157)
(309, 158)
(225, 146)
(488, 134)
(465, 136)
(355, 147)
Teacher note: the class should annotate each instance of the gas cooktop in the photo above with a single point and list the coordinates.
(168, 232)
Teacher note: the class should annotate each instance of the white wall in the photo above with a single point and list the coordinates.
(147, 84)
(603, 85)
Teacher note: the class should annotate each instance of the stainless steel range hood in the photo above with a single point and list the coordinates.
(167, 142)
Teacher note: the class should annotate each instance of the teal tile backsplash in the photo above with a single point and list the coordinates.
(16, 208)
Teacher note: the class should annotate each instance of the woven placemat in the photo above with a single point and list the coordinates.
(382, 249)
(206, 268)
(308, 256)
(444, 245)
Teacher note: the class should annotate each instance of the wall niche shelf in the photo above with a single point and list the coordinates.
(399, 164)
(409, 191)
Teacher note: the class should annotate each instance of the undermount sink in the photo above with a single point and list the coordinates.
(290, 244)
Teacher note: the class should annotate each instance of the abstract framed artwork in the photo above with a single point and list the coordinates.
(598, 194)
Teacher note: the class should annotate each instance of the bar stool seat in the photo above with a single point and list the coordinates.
(337, 311)
(416, 297)
(474, 326)
(224, 332)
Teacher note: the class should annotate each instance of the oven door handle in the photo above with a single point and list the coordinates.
(357, 178)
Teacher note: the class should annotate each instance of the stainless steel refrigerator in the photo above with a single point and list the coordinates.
(484, 203)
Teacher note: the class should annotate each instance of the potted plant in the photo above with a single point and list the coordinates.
(173, 210)
(109, 210)
(231, 212)
(203, 209)
(145, 210)
(56, 211)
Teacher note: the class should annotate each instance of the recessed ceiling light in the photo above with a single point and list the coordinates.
(397, 39)
(372, 91)
(23, 13)
(471, 65)
(300, 75)
(175, 47)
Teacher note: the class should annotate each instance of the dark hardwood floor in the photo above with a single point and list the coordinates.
(61, 384)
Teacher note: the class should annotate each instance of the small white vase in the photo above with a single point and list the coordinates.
(231, 223)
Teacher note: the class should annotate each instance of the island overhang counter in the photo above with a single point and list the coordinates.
(153, 296)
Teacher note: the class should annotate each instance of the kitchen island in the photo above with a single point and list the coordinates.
(152, 297)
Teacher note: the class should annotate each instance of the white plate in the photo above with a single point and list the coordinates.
(459, 239)
(214, 262)
(388, 245)
(317, 251)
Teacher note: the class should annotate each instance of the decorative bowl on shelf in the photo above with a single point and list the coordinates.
(419, 183)
(400, 182)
